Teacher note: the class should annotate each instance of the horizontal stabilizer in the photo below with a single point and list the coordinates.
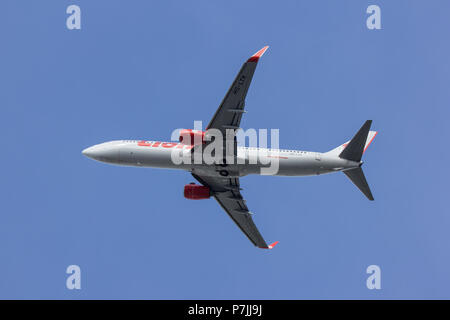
(357, 177)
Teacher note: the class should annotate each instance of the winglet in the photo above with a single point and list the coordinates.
(271, 245)
(256, 56)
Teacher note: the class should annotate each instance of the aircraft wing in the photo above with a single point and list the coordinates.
(227, 193)
(229, 113)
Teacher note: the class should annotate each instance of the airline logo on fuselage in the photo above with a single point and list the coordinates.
(167, 145)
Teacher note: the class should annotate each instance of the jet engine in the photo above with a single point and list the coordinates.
(194, 191)
(192, 137)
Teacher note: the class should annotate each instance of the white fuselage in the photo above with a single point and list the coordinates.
(249, 160)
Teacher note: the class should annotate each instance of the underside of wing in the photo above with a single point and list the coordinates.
(227, 118)
(226, 189)
(227, 193)
(229, 113)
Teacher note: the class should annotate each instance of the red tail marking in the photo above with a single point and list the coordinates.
(370, 141)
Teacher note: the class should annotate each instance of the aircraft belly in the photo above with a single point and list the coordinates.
(293, 166)
(288, 165)
(147, 157)
(307, 166)
(297, 166)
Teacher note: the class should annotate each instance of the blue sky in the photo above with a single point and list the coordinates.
(139, 69)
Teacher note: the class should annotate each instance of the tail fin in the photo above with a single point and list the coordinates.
(338, 150)
(357, 177)
(356, 146)
(353, 150)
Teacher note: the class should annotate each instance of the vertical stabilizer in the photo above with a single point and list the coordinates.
(355, 148)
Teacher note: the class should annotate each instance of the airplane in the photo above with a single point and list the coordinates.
(221, 179)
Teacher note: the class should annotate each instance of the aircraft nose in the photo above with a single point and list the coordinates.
(102, 152)
(89, 152)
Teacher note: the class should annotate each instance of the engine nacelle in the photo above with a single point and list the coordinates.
(192, 137)
(196, 192)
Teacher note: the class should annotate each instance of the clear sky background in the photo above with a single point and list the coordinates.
(139, 69)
